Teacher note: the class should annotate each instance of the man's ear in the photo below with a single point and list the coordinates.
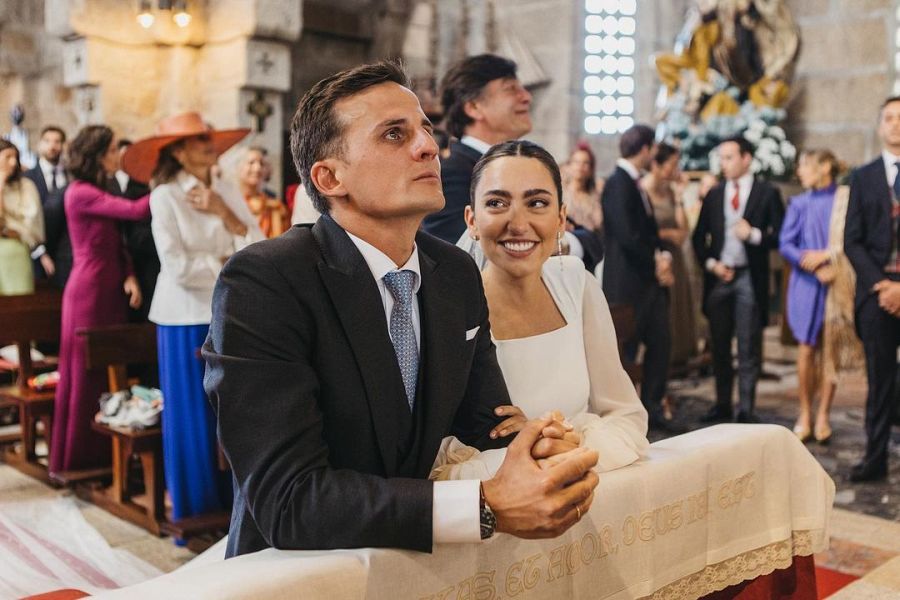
(472, 110)
(324, 175)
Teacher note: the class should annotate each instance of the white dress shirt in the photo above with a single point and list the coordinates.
(191, 247)
(456, 505)
(734, 254)
(50, 171)
(474, 142)
(890, 167)
(122, 178)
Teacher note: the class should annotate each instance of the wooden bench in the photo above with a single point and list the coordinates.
(624, 323)
(114, 348)
(25, 319)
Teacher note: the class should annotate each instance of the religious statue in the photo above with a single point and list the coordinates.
(748, 45)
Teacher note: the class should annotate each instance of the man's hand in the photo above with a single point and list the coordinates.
(826, 274)
(889, 296)
(723, 272)
(533, 503)
(742, 230)
(664, 274)
(813, 259)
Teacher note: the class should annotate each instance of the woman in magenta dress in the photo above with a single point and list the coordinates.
(98, 293)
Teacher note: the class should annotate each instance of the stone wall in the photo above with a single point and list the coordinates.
(844, 72)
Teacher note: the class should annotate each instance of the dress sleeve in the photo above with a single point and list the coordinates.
(102, 204)
(791, 229)
(190, 270)
(31, 227)
(616, 422)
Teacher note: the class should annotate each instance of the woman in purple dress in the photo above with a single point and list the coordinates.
(98, 292)
(804, 243)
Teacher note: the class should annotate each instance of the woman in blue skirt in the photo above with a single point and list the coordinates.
(198, 221)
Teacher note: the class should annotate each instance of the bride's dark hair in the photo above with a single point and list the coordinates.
(522, 148)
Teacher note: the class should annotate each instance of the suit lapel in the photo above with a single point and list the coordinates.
(752, 201)
(443, 340)
(40, 182)
(717, 216)
(359, 307)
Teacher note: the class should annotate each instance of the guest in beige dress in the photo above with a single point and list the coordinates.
(665, 185)
(581, 190)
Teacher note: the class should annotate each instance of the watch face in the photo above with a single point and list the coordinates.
(488, 522)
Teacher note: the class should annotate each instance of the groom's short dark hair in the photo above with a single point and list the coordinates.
(316, 131)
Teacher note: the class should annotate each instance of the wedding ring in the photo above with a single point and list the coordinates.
(578, 511)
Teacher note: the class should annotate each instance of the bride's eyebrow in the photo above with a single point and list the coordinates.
(501, 193)
(536, 192)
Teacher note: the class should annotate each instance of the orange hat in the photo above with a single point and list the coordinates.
(140, 158)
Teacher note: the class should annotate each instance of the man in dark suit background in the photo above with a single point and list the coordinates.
(52, 259)
(738, 226)
(870, 243)
(138, 238)
(341, 354)
(484, 104)
(637, 271)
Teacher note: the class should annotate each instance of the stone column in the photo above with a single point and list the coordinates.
(232, 63)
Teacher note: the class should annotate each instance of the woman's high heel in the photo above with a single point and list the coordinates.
(803, 432)
(823, 435)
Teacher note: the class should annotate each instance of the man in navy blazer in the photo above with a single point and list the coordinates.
(484, 104)
(636, 271)
(53, 258)
(341, 354)
(737, 229)
(870, 243)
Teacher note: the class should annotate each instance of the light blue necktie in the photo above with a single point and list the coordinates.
(403, 336)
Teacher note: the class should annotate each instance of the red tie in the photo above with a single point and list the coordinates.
(736, 199)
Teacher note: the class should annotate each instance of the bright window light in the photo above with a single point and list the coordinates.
(593, 44)
(593, 105)
(609, 65)
(593, 63)
(592, 125)
(593, 84)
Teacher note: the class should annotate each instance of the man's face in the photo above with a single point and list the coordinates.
(734, 164)
(389, 162)
(50, 146)
(504, 108)
(889, 125)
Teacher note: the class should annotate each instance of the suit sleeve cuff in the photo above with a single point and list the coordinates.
(455, 516)
(755, 236)
(711, 264)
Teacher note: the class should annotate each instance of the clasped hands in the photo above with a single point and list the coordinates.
(546, 482)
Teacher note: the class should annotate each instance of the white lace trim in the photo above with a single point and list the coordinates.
(742, 567)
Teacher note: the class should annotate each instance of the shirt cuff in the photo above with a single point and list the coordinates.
(456, 512)
(755, 236)
(575, 247)
(711, 264)
(38, 252)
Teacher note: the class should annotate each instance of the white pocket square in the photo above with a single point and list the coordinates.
(471, 332)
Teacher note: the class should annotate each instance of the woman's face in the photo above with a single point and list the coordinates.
(252, 169)
(516, 215)
(668, 171)
(196, 154)
(9, 162)
(580, 165)
(812, 173)
(110, 159)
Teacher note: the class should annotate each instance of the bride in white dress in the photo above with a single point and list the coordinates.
(555, 339)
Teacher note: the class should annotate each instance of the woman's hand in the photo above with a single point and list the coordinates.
(48, 264)
(133, 291)
(826, 274)
(813, 259)
(514, 422)
(204, 199)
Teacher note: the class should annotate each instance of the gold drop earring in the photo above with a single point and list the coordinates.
(559, 249)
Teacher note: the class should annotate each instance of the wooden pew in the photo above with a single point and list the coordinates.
(25, 319)
(114, 348)
(623, 321)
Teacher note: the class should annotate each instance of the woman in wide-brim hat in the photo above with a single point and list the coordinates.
(199, 220)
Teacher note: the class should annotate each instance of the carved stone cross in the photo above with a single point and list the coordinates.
(260, 109)
(265, 63)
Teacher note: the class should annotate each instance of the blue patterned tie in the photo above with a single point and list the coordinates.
(401, 284)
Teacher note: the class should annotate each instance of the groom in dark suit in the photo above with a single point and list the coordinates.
(870, 243)
(341, 354)
(737, 228)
